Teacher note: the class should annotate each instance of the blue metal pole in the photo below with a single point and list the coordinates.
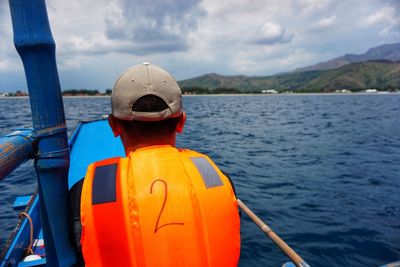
(35, 45)
(15, 148)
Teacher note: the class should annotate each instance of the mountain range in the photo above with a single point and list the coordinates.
(383, 52)
(378, 68)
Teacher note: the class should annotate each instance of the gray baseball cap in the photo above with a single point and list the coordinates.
(143, 80)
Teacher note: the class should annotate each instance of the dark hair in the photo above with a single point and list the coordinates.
(150, 103)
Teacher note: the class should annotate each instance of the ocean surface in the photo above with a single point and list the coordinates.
(323, 171)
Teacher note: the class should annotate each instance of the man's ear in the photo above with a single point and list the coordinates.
(115, 126)
(181, 123)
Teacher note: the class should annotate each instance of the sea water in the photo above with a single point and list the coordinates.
(323, 171)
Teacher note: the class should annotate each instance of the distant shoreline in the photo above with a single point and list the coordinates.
(89, 96)
(295, 94)
(69, 96)
(261, 94)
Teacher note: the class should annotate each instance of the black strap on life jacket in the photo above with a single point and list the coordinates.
(75, 225)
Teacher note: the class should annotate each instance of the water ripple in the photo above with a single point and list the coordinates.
(323, 171)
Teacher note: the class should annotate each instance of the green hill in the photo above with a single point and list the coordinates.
(383, 75)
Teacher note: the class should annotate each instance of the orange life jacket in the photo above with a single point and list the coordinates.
(160, 206)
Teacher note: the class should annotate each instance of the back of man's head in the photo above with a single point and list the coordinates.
(147, 101)
(139, 92)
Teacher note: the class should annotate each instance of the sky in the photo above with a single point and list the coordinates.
(98, 39)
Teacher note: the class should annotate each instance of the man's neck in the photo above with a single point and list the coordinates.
(131, 144)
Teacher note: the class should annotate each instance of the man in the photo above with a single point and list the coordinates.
(158, 206)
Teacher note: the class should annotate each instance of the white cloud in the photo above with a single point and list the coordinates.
(309, 7)
(122, 26)
(9, 60)
(323, 23)
(98, 39)
(387, 18)
(272, 33)
(3, 65)
(386, 14)
(153, 27)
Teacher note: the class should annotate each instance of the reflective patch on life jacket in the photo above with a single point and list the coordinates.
(104, 184)
(207, 172)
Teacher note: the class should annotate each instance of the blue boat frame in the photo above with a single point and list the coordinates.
(35, 45)
(14, 249)
(84, 149)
